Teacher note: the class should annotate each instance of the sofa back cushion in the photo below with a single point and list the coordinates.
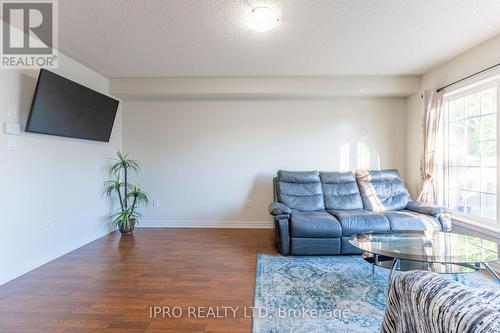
(300, 190)
(340, 190)
(382, 190)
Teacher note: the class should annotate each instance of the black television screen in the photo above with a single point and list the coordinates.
(65, 108)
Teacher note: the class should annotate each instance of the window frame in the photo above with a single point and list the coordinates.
(449, 95)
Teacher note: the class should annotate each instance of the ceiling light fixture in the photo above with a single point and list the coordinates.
(262, 19)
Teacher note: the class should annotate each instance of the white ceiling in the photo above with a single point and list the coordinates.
(165, 38)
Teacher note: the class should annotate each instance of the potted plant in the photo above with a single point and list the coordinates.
(130, 196)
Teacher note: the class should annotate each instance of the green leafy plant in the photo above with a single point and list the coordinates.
(130, 196)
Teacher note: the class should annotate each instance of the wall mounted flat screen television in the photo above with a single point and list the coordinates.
(65, 108)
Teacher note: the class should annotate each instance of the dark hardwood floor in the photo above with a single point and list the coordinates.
(109, 285)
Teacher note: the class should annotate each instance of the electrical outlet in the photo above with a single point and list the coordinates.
(12, 111)
(249, 203)
(156, 203)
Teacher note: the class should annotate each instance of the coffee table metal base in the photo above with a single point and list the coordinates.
(409, 265)
(492, 272)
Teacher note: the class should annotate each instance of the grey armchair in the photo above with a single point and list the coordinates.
(420, 301)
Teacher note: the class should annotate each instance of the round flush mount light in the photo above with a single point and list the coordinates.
(262, 19)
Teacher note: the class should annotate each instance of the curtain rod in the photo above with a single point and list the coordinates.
(467, 77)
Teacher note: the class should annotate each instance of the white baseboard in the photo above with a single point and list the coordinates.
(206, 224)
(50, 257)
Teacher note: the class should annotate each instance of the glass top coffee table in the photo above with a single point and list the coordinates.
(440, 252)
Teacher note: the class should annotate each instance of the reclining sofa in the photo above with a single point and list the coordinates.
(316, 213)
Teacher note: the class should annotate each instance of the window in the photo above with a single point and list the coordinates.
(467, 177)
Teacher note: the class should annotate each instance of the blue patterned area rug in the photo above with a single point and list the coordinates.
(323, 294)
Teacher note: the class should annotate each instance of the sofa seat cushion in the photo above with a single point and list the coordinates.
(360, 220)
(314, 224)
(408, 220)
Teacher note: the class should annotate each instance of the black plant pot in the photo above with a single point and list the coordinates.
(127, 229)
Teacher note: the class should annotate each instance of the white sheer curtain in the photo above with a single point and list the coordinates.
(433, 107)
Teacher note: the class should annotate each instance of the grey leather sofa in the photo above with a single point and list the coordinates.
(315, 213)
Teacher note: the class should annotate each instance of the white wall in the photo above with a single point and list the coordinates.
(472, 61)
(51, 186)
(203, 159)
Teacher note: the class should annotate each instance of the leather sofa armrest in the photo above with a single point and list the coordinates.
(277, 208)
(281, 213)
(427, 209)
(445, 220)
(441, 213)
(282, 233)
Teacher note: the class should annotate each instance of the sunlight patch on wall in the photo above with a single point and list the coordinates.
(363, 154)
(345, 157)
